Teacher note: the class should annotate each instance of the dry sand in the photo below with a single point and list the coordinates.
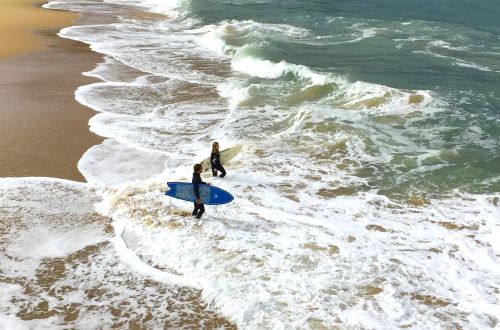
(20, 18)
(43, 130)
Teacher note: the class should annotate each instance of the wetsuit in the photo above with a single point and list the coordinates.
(198, 208)
(216, 165)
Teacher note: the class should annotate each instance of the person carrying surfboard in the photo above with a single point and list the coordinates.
(199, 207)
(215, 161)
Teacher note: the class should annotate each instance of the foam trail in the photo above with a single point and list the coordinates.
(112, 163)
(132, 260)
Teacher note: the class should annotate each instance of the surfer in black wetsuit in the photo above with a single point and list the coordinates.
(199, 208)
(215, 161)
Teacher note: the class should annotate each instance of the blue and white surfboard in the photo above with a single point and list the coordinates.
(210, 195)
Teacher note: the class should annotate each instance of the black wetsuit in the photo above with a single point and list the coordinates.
(216, 165)
(198, 208)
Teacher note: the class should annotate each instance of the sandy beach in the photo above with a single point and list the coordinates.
(43, 130)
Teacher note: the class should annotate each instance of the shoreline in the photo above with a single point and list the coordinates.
(44, 132)
(43, 129)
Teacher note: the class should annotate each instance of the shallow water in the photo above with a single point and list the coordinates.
(63, 267)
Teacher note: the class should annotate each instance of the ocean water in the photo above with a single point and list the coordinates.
(367, 189)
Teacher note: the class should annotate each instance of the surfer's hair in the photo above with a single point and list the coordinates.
(213, 145)
(197, 168)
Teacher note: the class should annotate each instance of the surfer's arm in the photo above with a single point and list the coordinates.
(203, 182)
(197, 191)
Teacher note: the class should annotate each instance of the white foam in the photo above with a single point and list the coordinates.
(53, 242)
(132, 260)
(473, 66)
(149, 133)
(68, 231)
(69, 273)
(8, 292)
(365, 32)
(173, 8)
(446, 45)
(301, 245)
(10, 322)
(111, 163)
(141, 47)
(267, 69)
(355, 33)
(462, 52)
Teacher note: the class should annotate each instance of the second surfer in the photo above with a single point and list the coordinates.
(215, 161)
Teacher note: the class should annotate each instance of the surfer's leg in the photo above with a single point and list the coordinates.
(214, 171)
(222, 170)
(196, 207)
(201, 210)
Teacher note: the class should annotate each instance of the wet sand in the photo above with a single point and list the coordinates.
(43, 130)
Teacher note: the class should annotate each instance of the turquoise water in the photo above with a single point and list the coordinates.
(450, 50)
